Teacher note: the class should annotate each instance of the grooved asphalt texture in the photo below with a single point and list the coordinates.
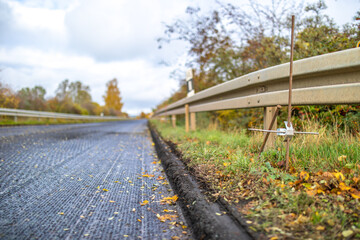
(53, 182)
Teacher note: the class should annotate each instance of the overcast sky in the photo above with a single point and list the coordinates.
(43, 42)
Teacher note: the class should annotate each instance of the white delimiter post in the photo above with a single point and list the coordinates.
(191, 92)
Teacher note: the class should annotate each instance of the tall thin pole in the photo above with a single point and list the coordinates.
(290, 89)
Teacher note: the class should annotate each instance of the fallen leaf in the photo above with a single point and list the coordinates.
(304, 175)
(347, 233)
(61, 213)
(169, 200)
(343, 187)
(331, 222)
(165, 217)
(111, 201)
(144, 203)
(339, 176)
(355, 195)
(320, 228)
(105, 190)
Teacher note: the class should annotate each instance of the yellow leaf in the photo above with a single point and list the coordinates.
(302, 219)
(274, 238)
(320, 191)
(307, 185)
(61, 213)
(347, 233)
(144, 203)
(111, 201)
(343, 187)
(148, 176)
(320, 228)
(331, 222)
(355, 195)
(138, 220)
(170, 200)
(116, 181)
(226, 164)
(339, 176)
(105, 190)
(304, 175)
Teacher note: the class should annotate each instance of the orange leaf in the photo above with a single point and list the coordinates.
(311, 192)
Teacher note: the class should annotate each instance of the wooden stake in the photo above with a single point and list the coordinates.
(173, 118)
(186, 117)
(270, 127)
(193, 121)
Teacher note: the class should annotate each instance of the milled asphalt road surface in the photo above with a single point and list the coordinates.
(84, 181)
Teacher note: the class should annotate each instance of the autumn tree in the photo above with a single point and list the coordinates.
(74, 97)
(112, 96)
(8, 98)
(32, 98)
(319, 34)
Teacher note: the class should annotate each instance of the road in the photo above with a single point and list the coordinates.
(85, 181)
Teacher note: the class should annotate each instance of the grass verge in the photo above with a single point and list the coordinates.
(318, 198)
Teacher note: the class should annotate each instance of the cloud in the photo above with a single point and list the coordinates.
(116, 30)
(28, 26)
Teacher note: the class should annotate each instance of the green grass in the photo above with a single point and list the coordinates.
(310, 153)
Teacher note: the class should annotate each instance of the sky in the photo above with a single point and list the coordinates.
(43, 42)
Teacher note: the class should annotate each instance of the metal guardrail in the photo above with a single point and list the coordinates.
(332, 78)
(42, 114)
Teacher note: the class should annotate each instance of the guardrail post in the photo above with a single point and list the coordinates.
(268, 115)
(186, 117)
(173, 118)
(193, 121)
